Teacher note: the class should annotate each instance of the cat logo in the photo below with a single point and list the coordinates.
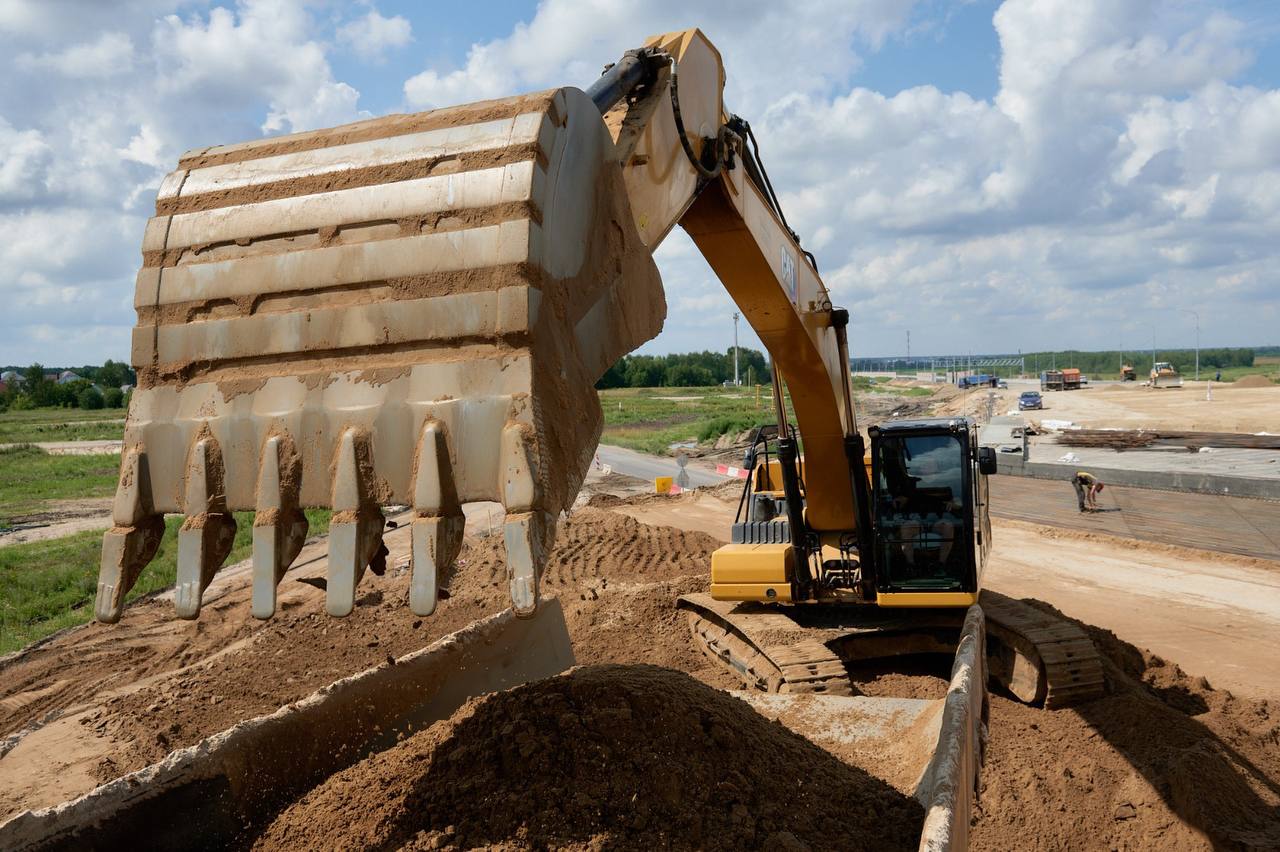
(789, 273)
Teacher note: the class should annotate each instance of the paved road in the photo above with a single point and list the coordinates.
(645, 466)
(1206, 521)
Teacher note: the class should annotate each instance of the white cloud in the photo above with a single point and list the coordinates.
(110, 54)
(1119, 171)
(770, 49)
(263, 47)
(372, 35)
(100, 100)
(24, 154)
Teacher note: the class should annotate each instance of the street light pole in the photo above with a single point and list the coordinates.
(736, 383)
(1195, 314)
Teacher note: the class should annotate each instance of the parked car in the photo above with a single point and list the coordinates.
(1030, 400)
(1002, 384)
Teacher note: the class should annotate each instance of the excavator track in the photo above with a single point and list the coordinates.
(1065, 666)
(1039, 658)
(805, 648)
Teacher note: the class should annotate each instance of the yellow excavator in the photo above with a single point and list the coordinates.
(413, 311)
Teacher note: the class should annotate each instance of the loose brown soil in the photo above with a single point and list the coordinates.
(1164, 761)
(620, 757)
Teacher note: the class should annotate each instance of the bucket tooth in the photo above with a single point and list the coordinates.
(520, 491)
(438, 522)
(125, 552)
(355, 533)
(436, 542)
(209, 530)
(528, 530)
(133, 539)
(279, 526)
(527, 537)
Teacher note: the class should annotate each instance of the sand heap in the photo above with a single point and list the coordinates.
(1165, 761)
(633, 757)
(1254, 381)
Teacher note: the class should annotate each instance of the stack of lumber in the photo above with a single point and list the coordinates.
(1129, 439)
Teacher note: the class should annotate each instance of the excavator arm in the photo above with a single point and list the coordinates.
(413, 311)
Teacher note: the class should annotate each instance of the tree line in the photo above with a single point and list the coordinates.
(1108, 363)
(95, 387)
(685, 370)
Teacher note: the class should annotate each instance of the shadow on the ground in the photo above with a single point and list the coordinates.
(1150, 716)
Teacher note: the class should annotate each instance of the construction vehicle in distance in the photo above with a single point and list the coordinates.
(1128, 374)
(1165, 375)
(1061, 380)
(413, 311)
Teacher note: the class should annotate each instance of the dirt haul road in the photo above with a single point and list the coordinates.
(1163, 762)
(1124, 406)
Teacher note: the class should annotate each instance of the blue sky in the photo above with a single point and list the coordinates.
(993, 175)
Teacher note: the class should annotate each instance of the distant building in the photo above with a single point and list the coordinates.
(66, 377)
(11, 377)
(4, 387)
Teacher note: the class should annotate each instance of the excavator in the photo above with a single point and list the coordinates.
(413, 311)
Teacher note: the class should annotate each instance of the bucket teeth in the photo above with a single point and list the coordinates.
(355, 533)
(438, 522)
(125, 552)
(527, 537)
(208, 532)
(279, 527)
(132, 541)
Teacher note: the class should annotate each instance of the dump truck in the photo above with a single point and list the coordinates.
(413, 311)
(1128, 374)
(1058, 380)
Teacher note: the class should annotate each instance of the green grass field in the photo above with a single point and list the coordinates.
(31, 480)
(48, 585)
(61, 424)
(652, 419)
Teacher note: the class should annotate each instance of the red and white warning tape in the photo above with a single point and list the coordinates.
(726, 470)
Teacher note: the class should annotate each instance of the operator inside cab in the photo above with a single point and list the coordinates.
(921, 510)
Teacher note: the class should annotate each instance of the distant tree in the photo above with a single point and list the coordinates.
(114, 374)
(90, 398)
(689, 376)
(645, 371)
(113, 397)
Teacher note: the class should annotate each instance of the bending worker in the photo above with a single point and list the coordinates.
(1088, 487)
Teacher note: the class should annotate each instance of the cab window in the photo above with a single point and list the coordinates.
(920, 507)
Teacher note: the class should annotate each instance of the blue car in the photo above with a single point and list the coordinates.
(1030, 400)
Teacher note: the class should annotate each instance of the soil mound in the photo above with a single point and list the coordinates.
(605, 756)
(1254, 381)
(1162, 762)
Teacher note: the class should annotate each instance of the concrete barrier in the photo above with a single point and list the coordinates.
(950, 781)
(215, 794)
(1160, 480)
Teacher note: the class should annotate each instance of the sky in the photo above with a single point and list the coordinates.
(988, 176)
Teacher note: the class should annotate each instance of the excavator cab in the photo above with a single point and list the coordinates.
(932, 528)
(929, 526)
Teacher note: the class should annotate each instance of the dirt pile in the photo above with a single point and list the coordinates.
(1165, 761)
(620, 757)
(1254, 381)
(155, 684)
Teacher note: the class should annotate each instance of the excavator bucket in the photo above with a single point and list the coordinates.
(408, 311)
